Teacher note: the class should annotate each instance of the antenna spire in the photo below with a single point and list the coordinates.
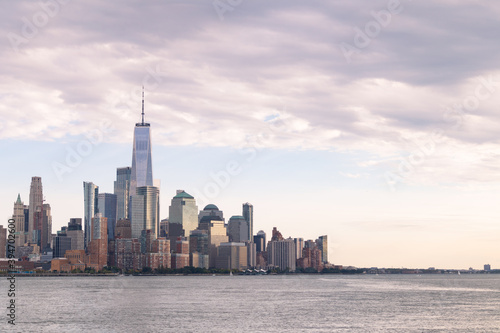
(142, 105)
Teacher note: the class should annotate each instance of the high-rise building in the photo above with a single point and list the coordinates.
(62, 243)
(145, 208)
(122, 192)
(19, 218)
(183, 216)
(198, 241)
(281, 253)
(299, 245)
(98, 245)
(322, 242)
(217, 234)
(3, 242)
(106, 205)
(210, 210)
(75, 233)
(45, 228)
(142, 165)
(163, 228)
(90, 197)
(180, 258)
(260, 241)
(35, 206)
(248, 215)
(237, 229)
(27, 221)
(128, 253)
(232, 255)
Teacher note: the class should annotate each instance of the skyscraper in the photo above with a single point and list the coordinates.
(75, 232)
(142, 166)
(19, 216)
(260, 241)
(90, 197)
(35, 206)
(248, 215)
(122, 192)
(210, 210)
(183, 216)
(237, 229)
(299, 245)
(45, 228)
(145, 208)
(322, 242)
(106, 203)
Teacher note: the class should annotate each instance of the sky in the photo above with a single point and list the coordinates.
(372, 122)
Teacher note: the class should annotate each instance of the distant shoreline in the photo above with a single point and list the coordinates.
(357, 272)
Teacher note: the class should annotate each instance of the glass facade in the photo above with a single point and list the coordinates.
(122, 192)
(142, 169)
(106, 204)
(145, 210)
(90, 196)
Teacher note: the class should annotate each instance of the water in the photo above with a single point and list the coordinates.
(305, 303)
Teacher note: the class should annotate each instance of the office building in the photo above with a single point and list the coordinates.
(198, 242)
(35, 206)
(183, 216)
(142, 165)
(122, 192)
(75, 233)
(106, 205)
(45, 229)
(217, 234)
(145, 210)
(62, 243)
(248, 215)
(21, 236)
(237, 229)
(163, 228)
(90, 204)
(210, 210)
(260, 241)
(232, 255)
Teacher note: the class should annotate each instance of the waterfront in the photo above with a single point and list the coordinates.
(284, 303)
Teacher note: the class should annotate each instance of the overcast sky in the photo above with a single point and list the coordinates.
(373, 122)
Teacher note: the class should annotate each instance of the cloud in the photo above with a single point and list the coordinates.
(268, 70)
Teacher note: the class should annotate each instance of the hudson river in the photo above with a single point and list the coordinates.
(303, 303)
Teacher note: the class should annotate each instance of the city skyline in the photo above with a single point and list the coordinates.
(322, 128)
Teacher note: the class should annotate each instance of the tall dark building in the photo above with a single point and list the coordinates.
(62, 243)
(248, 215)
(260, 241)
(122, 192)
(106, 204)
